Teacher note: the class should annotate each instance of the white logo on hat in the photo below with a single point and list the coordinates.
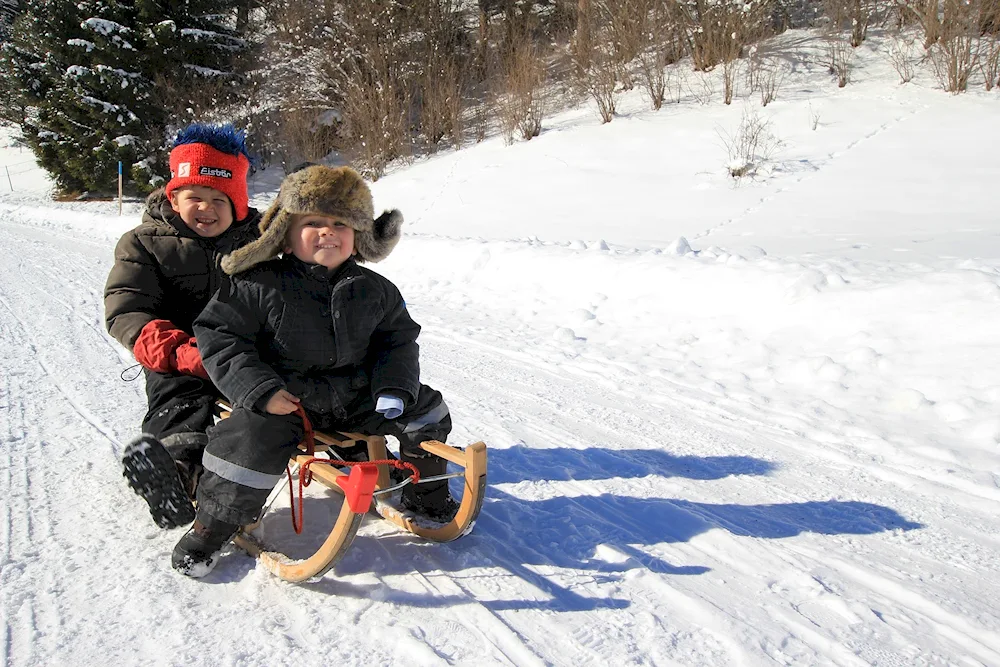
(184, 170)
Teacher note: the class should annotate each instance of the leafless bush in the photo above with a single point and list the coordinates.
(841, 56)
(764, 75)
(989, 61)
(376, 116)
(901, 57)
(665, 46)
(730, 70)
(625, 27)
(655, 76)
(718, 32)
(440, 108)
(926, 12)
(582, 39)
(306, 134)
(955, 56)
(813, 118)
(600, 81)
(715, 36)
(700, 86)
(751, 145)
(853, 15)
(480, 116)
(516, 102)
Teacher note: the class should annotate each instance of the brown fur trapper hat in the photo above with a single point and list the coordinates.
(333, 191)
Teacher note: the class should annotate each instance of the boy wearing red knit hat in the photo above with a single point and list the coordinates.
(165, 271)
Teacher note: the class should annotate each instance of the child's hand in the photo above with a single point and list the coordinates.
(282, 403)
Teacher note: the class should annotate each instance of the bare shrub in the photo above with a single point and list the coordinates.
(582, 40)
(718, 32)
(813, 118)
(440, 100)
(376, 109)
(751, 145)
(665, 46)
(730, 70)
(625, 31)
(853, 15)
(764, 75)
(306, 134)
(901, 57)
(516, 101)
(480, 121)
(715, 35)
(989, 61)
(700, 86)
(955, 56)
(600, 81)
(654, 75)
(841, 57)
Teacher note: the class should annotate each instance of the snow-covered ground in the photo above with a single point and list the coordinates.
(727, 425)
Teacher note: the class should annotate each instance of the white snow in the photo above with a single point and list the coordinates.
(748, 423)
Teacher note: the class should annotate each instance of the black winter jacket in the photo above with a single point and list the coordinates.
(324, 337)
(164, 271)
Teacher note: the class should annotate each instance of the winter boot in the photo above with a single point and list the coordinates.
(435, 504)
(197, 552)
(152, 474)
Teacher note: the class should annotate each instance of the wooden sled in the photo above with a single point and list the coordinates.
(362, 488)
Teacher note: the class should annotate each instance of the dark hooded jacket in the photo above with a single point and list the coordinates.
(326, 337)
(164, 270)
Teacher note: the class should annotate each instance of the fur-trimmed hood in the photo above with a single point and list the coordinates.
(330, 191)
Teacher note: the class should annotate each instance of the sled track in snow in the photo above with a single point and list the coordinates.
(30, 588)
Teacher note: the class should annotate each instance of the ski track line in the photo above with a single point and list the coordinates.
(30, 273)
(887, 125)
(88, 416)
(67, 272)
(491, 627)
(984, 643)
(504, 637)
(37, 615)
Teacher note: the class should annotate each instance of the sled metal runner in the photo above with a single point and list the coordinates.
(472, 460)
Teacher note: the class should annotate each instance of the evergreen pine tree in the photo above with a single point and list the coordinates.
(101, 81)
(8, 12)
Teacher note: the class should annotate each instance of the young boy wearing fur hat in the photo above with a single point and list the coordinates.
(310, 328)
(165, 271)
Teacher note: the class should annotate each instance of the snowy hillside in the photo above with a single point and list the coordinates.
(728, 424)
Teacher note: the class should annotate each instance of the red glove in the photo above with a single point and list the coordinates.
(188, 359)
(157, 344)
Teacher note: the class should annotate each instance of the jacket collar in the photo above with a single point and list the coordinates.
(346, 271)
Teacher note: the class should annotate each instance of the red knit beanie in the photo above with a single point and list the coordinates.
(201, 164)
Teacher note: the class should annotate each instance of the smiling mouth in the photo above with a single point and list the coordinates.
(204, 221)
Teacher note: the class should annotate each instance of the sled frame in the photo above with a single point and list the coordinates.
(472, 460)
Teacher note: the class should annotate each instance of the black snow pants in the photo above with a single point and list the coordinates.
(178, 404)
(247, 452)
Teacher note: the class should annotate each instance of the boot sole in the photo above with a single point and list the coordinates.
(153, 476)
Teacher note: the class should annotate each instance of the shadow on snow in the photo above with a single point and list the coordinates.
(529, 536)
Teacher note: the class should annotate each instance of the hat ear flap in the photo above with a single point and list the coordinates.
(273, 227)
(375, 245)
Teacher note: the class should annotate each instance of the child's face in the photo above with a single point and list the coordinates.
(205, 210)
(320, 239)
